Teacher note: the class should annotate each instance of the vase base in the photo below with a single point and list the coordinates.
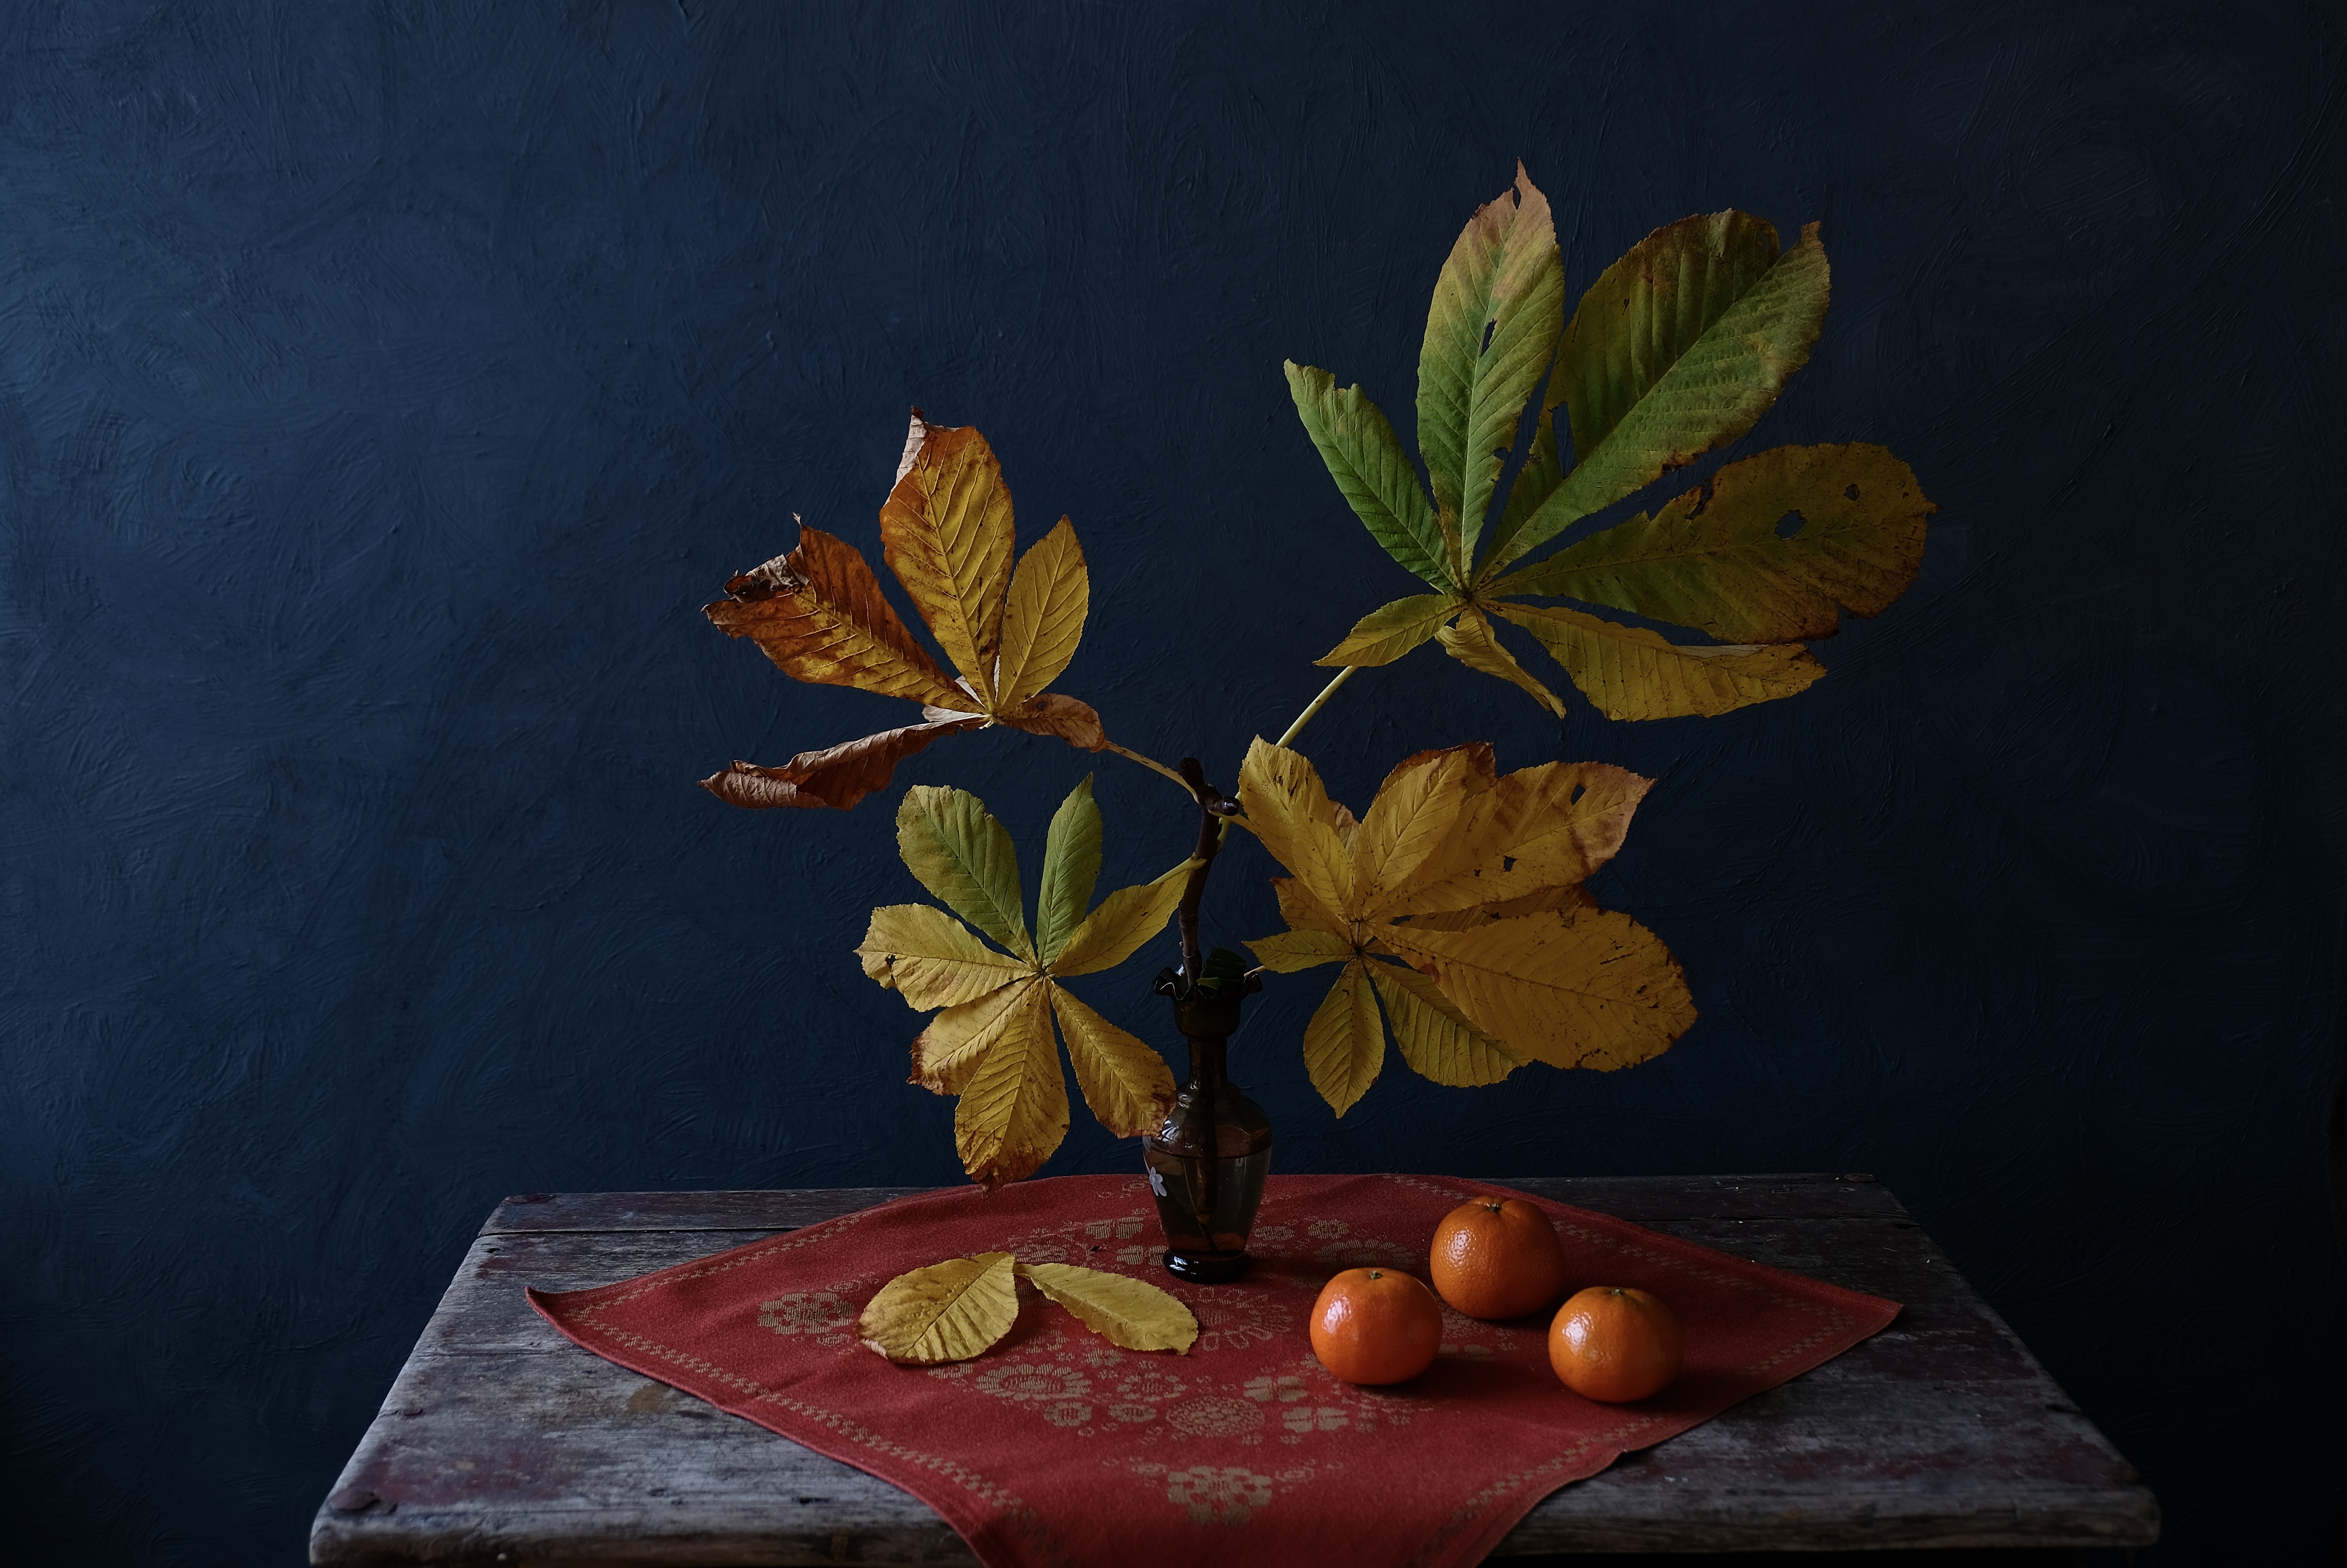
(1207, 1268)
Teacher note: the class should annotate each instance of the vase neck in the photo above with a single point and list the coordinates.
(1206, 1053)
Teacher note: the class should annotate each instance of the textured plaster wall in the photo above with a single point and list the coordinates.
(384, 388)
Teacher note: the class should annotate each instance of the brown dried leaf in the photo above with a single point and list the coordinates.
(818, 613)
(838, 776)
(1053, 714)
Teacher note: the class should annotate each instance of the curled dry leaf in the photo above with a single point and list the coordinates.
(949, 1311)
(1132, 1314)
(838, 776)
(947, 533)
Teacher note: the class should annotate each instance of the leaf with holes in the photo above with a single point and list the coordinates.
(1676, 348)
(1472, 878)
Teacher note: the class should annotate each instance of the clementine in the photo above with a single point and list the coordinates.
(1614, 1344)
(1497, 1257)
(1376, 1325)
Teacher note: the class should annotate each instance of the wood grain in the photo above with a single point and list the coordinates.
(498, 1436)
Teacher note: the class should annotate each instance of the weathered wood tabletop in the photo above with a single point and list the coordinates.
(502, 1442)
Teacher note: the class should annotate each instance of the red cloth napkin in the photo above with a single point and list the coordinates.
(1057, 1448)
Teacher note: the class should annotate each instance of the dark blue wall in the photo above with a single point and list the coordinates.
(382, 389)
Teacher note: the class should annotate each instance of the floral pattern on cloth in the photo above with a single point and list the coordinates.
(1057, 1448)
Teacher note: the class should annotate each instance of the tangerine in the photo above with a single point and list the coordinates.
(1376, 1325)
(1616, 1344)
(1497, 1257)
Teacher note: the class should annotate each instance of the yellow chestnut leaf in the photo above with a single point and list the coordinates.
(1131, 1313)
(949, 1311)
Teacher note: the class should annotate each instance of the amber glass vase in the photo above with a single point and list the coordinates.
(1207, 1163)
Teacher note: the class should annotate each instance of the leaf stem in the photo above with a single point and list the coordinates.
(1213, 809)
(1327, 691)
(1151, 764)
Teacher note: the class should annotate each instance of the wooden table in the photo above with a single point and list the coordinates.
(502, 1442)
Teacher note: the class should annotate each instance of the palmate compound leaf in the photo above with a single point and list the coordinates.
(991, 1044)
(1129, 1313)
(1473, 879)
(1676, 348)
(948, 1311)
(947, 531)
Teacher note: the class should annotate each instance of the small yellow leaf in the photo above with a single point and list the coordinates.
(1013, 1110)
(1044, 620)
(1630, 672)
(1290, 812)
(1292, 951)
(1435, 1037)
(1386, 634)
(1345, 1043)
(1597, 990)
(947, 1312)
(1131, 1313)
(1303, 912)
(1413, 814)
(1471, 642)
(946, 532)
(931, 958)
(1482, 766)
(1124, 920)
(958, 1039)
(1127, 1085)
